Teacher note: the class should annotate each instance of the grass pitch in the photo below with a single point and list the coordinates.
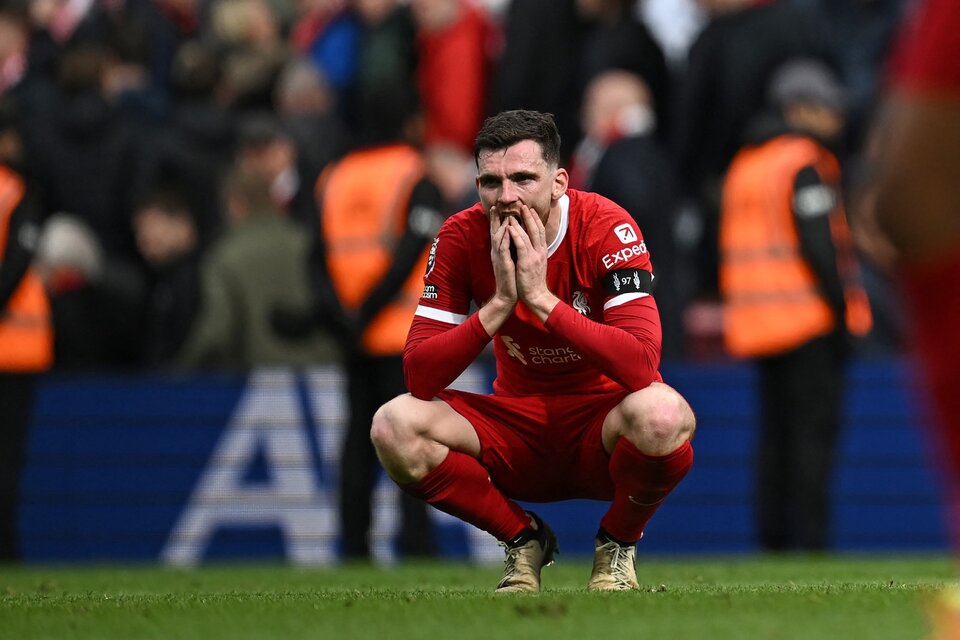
(776, 598)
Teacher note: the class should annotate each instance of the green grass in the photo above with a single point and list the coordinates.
(844, 598)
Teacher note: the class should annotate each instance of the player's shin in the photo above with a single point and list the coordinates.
(641, 483)
(461, 487)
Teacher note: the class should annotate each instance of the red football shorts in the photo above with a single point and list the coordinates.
(541, 448)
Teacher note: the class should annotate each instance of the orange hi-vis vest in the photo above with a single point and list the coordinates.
(772, 302)
(26, 327)
(363, 202)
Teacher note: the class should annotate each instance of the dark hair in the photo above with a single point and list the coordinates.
(507, 128)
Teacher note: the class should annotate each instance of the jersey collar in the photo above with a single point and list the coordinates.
(564, 203)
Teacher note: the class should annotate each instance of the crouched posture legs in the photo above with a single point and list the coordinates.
(431, 451)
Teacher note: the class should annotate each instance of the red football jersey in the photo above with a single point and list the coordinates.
(598, 264)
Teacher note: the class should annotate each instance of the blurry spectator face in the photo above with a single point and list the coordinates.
(163, 235)
(593, 8)
(11, 148)
(263, 27)
(823, 122)
(268, 159)
(433, 15)
(13, 38)
(374, 12)
(611, 104)
(245, 22)
(302, 89)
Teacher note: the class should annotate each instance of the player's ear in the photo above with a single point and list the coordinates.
(560, 181)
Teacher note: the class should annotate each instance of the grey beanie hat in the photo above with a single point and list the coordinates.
(807, 80)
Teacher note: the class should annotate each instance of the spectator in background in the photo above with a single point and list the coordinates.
(191, 151)
(615, 38)
(168, 242)
(378, 213)
(454, 41)
(26, 330)
(387, 55)
(71, 263)
(85, 153)
(327, 33)
(257, 264)
(616, 104)
(86, 157)
(265, 149)
(791, 295)
(722, 88)
(621, 158)
(306, 107)
(255, 51)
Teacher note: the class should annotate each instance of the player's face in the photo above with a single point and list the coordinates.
(518, 174)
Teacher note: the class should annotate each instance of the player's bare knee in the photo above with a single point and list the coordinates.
(387, 431)
(659, 421)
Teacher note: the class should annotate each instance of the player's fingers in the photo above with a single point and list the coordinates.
(494, 220)
(532, 223)
(517, 235)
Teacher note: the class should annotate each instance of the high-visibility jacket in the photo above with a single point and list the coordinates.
(772, 302)
(26, 326)
(363, 202)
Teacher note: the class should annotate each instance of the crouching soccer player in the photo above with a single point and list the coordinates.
(562, 279)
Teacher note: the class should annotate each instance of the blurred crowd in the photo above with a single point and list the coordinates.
(174, 146)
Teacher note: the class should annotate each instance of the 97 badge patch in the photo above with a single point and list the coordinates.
(628, 281)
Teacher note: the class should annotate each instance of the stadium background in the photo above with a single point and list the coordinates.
(201, 468)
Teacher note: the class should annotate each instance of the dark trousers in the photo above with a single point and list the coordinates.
(16, 407)
(801, 395)
(371, 382)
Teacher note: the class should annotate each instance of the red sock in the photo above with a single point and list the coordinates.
(642, 482)
(461, 487)
(933, 299)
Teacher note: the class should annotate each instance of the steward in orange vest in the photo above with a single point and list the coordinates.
(783, 281)
(377, 218)
(26, 327)
(791, 295)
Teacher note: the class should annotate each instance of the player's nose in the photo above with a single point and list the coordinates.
(508, 193)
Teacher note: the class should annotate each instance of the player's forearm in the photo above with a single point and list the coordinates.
(436, 355)
(630, 357)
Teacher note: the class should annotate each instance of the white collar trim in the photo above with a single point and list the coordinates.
(564, 223)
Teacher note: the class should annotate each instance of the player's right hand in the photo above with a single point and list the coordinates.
(504, 267)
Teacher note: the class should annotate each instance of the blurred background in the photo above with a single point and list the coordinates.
(198, 373)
